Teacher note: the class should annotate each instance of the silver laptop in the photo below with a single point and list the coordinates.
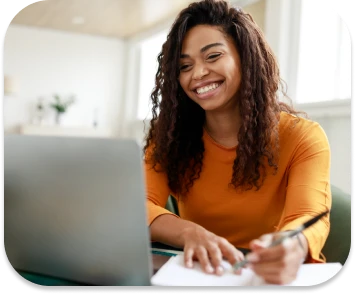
(74, 209)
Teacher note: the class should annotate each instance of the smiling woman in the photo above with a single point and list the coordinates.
(210, 76)
(207, 52)
(239, 161)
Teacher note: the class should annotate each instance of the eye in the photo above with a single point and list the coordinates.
(213, 56)
(184, 67)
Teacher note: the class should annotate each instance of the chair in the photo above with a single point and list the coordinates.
(171, 205)
(337, 246)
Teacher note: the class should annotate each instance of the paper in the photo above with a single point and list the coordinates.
(174, 273)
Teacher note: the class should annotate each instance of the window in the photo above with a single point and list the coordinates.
(324, 60)
(149, 50)
(311, 42)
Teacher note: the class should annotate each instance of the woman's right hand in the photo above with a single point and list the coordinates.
(209, 249)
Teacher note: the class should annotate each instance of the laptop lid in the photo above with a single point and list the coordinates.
(74, 208)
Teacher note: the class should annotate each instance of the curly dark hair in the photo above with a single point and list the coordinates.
(174, 141)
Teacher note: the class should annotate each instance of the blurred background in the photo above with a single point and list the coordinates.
(87, 67)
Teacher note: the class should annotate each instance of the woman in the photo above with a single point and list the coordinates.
(241, 163)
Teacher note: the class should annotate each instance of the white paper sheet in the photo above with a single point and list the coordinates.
(174, 273)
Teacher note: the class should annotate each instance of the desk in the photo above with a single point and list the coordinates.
(158, 260)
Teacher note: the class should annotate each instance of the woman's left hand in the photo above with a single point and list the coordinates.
(278, 264)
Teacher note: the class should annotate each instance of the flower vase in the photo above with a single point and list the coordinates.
(58, 118)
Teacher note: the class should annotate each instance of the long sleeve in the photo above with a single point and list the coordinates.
(298, 191)
(308, 188)
(157, 191)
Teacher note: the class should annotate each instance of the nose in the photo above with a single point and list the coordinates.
(199, 71)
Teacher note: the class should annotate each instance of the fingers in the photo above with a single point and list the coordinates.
(269, 268)
(276, 272)
(263, 242)
(202, 256)
(216, 259)
(210, 259)
(278, 264)
(272, 253)
(188, 254)
(211, 255)
(231, 253)
(270, 259)
(199, 253)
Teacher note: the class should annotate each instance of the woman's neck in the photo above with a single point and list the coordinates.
(223, 127)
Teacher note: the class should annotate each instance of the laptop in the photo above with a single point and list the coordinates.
(74, 209)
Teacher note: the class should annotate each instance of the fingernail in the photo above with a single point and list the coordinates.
(219, 270)
(252, 257)
(238, 272)
(286, 243)
(209, 269)
(189, 264)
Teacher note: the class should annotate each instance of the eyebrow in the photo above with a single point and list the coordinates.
(203, 49)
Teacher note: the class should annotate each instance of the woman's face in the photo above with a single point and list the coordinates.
(210, 69)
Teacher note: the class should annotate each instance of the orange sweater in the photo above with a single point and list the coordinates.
(298, 191)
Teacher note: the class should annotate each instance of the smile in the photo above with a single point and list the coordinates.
(207, 88)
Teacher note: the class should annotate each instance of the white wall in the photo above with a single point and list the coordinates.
(45, 62)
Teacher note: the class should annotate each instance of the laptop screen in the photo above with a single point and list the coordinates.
(74, 209)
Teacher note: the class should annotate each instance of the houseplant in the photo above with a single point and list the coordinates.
(61, 106)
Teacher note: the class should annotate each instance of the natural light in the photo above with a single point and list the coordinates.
(149, 48)
(323, 67)
(324, 64)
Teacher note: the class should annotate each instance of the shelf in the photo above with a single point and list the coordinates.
(43, 130)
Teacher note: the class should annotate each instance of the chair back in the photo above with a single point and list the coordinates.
(337, 246)
(172, 205)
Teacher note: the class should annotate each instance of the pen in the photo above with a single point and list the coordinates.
(288, 234)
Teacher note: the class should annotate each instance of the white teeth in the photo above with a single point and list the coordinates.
(205, 89)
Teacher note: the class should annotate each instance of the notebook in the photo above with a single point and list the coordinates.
(74, 209)
(174, 273)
